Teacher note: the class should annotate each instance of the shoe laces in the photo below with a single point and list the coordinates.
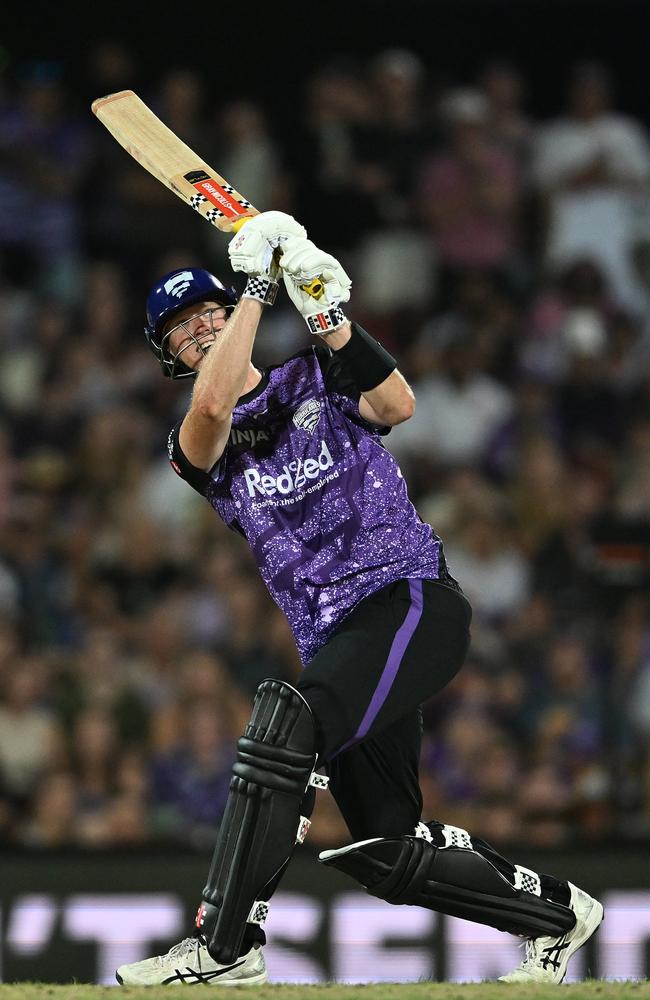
(533, 950)
(181, 950)
(542, 952)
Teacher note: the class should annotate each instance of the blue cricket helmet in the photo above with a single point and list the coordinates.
(173, 292)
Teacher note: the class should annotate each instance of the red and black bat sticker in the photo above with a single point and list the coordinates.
(221, 196)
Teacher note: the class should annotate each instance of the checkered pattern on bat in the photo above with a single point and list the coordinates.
(229, 189)
(197, 200)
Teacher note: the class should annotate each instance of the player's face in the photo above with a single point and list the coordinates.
(192, 332)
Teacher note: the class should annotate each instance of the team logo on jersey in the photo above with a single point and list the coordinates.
(179, 284)
(307, 415)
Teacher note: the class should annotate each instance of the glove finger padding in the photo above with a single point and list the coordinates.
(300, 255)
(250, 252)
(302, 261)
(336, 282)
(276, 227)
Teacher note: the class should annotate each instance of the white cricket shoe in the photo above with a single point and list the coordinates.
(547, 957)
(189, 963)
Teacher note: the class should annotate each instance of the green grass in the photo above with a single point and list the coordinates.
(592, 990)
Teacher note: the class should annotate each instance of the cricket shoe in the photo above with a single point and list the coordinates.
(547, 957)
(189, 963)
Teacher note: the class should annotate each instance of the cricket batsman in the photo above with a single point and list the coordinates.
(380, 623)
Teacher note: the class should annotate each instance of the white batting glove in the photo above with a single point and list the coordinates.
(301, 262)
(276, 227)
(253, 251)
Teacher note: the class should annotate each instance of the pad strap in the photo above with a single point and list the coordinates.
(318, 780)
(259, 912)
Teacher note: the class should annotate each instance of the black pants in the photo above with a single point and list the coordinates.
(395, 650)
(365, 687)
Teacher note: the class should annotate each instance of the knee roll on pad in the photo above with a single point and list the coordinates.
(453, 880)
(275, 760)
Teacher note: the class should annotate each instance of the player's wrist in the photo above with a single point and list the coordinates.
(326, 322)
(261, 288)
(338, 338)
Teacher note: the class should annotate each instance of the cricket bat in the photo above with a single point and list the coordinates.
(173, 163)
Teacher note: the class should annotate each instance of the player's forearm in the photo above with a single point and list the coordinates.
(339, 338)
(392, 401)
(223, 374)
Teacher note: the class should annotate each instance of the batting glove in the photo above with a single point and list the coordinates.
(301, 262)
(251, 253)
(253, 250)
(276, 227)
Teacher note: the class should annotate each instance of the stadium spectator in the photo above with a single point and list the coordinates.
(592, 166)
(45, 159)
(460, 407)
(510, 126)
(31, 736)
(469, 192)
(190, 781)
(121, 601)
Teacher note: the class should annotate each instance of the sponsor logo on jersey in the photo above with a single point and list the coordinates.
(293, 476)
(307, 415)
(179, 284)
(249, 436)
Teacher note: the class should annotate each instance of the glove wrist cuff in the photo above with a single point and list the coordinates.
(261, 289)
(326, 322)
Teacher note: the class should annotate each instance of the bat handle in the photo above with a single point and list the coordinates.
(315, 287)
(236, 226)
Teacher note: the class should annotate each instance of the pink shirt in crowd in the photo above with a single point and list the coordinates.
(471, 234)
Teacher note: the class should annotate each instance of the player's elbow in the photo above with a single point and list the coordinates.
(409, 405)
(398, 412)
(406, 407)
(211, 411)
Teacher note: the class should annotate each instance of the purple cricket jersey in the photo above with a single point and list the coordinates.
(321, 502)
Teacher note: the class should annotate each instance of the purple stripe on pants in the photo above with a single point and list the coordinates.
(400, 642)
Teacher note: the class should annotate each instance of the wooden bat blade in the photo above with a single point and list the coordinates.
(159, 150)
(148, 140)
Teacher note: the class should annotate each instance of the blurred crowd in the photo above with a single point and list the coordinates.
(505, 260)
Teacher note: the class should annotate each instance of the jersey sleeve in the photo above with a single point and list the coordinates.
(198, 479)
